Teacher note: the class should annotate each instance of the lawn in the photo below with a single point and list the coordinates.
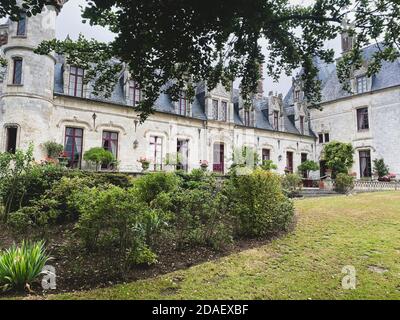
(362, 231)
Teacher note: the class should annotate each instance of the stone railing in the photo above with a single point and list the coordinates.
(361, 185)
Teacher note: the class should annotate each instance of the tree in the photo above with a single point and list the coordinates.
(308, 166)
(338, 157)
(380, 168)
(98, 156)
(169, 46)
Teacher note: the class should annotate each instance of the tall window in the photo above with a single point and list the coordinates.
(183, 104)
(17, 71)
(21, 25)
(218, 157)
(361, 84)
(362, 119)
(246, 117)
(135, 94)
(156, 152)
(73, 146)
(215, 109)
(302, 124)
(289, 161)
(266, 155)
(326, 136)
(365, 164)
(110, 143)
(224, 111)
(182, 148)
(11, 139)
(276, 120)
(297, 95)
(76, 82)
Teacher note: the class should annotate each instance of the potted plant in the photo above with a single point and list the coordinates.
(145, 163)
(204, 165)
(63, 158)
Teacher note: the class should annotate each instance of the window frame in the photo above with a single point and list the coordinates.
(224, 111)
(76, 76)
(361, 84)
(247, 118)
(361, 126)
(215, 109)
(155, 154)
(17, 60)
(301, 124)
(134, 91)
(7, 138)
(183, 104)
(71, 156)
(265, 154)
(276, 119)
(368, 162)
(18, 30)
(110, 140)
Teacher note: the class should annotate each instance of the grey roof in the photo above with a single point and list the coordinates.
(332, 89)
(164, 103)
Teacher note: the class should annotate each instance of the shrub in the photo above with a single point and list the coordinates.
(291, 183)
(338, 157)
(199, 218)
(380, 168)
(13, 171)
(113, 218)
(53, 149)
(308, 166)
(98, 156)
(20, 266)
(152, 184)
(344, 183)
(258, 204)
(268, 165)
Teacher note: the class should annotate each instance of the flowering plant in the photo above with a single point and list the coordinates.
(144, 160)
(63, 154)
(203, 163)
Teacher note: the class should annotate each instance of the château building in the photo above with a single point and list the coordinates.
(42, 98)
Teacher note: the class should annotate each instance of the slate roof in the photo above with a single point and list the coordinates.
(331, 88)
(164, 103)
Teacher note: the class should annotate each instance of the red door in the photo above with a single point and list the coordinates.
(218, 158)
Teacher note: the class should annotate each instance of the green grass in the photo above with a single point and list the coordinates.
(361, 231)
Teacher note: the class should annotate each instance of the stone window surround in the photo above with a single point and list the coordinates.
(11, 72)
(4, 140)
(356, 119)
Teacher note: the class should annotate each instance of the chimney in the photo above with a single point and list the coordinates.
(260, 84)
(347, 39)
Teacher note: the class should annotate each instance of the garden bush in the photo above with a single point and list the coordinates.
(152, 184)
(98, 156)
(344, 183)
(198, 217)
(113, 217)
(257, 204)
(20, 266)
(291, 184)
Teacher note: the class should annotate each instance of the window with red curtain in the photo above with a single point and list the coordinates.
(76, 82)
(73, 146)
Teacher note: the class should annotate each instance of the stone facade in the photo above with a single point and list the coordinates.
(42, 107)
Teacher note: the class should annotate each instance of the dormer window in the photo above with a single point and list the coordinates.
(302, 124)
(76, 82)
(276, 120)
(183, 104)
(135, 94)
(21, 25)
(215, 109)
(361, 84)
(297, 95)
(224, 110)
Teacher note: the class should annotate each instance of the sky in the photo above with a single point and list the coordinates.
(70, 23)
